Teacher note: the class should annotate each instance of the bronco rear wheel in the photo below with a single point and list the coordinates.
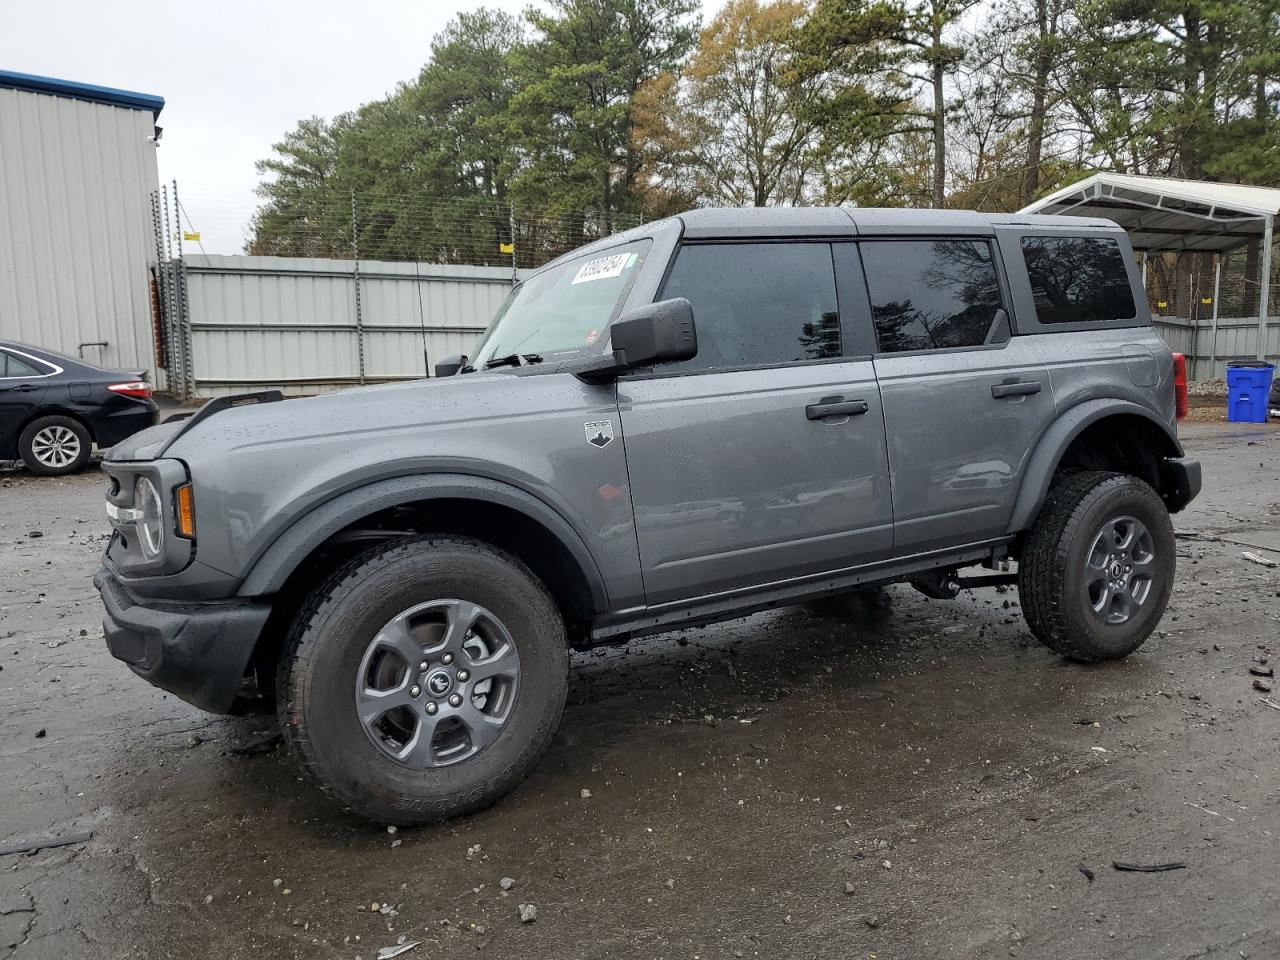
(1097, 567)
(424, 680)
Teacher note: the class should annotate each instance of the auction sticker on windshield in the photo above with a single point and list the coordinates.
(602, 268)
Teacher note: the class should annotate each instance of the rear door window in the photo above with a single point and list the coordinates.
(931, 294)
(1078, 279)
(757, 304)
(11, 366)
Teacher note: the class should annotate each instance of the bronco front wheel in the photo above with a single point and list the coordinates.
(424, 680)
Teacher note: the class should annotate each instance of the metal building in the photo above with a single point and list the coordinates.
(77, 243)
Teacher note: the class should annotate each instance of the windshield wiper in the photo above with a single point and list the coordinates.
(513, 360)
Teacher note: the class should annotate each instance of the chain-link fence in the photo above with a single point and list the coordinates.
(1182, 284)
(340, 289)
(347, 225)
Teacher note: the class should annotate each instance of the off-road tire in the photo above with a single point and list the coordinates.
(28, 438)
(320, 663)
(1051, 577)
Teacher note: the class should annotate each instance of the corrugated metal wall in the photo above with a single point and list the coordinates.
(76, 237)
(259, 322)
(1237, 339)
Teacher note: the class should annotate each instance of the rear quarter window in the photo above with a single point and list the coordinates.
(11, 366)
(1078, 279)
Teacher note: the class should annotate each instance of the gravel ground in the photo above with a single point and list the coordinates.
(921, 781)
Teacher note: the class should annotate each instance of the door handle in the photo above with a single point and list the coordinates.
(835, 407)
(1019, 388)
(26, 388)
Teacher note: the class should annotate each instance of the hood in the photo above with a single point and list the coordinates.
(358, 411)
(145, 444)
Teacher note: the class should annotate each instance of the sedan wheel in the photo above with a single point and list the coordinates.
(55, 446)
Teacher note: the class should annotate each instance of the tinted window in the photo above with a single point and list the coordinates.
(1078, 279)
(11, 366)
(927, 294)
(758, 303)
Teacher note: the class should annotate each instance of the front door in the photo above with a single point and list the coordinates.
(763, 458)
(964, 401)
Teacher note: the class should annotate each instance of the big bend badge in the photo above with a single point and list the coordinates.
(599, 432)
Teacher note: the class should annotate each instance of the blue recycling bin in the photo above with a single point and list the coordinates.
(1248, 386)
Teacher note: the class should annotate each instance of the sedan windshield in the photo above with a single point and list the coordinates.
(564, 309)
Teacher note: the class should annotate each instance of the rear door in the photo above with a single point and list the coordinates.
(763, 458)
(964, 401)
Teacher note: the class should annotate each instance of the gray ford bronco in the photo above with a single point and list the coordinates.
(712, 414)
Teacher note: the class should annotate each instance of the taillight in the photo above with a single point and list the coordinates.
(1181, 403)
(134, 388)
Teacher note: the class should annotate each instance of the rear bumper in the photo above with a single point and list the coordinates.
(1180, 482)
(196, 651)
(120, 421)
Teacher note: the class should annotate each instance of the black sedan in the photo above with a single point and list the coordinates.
(55, 409)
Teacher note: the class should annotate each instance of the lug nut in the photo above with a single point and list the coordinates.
(447, 658)
(431, 706)
(414, 691)
(455, 700)
(423, 666)
(463, 675)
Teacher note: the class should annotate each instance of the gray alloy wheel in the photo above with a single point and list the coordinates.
(1118, 569)
(437, 682)
(423, 679)
(55, 447)
(1097, 567)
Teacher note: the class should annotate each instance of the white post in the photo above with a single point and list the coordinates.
(1265, 295)
(1213, 329)
(1146, 255)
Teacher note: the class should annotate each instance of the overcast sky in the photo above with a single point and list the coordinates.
(235, 75)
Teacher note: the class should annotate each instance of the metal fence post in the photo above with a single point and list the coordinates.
(511, 218)
(184, 312)
(1213, 324)
(1263, 298)
(355, 249)
(173, 318)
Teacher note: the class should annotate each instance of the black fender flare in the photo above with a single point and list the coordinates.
(1053, 443)
(280, 559)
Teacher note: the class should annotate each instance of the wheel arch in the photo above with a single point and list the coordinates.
(1094, 435)
(55, 411)
(312, 531)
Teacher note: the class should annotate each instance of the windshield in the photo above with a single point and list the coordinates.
(564, 309)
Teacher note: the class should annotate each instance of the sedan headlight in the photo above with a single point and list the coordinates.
(150, 514)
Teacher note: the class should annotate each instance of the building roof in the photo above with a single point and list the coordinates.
(81, 91)
(1165, 214)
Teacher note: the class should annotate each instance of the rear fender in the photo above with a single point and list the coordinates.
(1055, 441)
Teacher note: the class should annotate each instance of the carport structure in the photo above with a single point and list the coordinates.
(1180, 216)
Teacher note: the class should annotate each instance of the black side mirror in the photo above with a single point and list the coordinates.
(450, 365)
(661, 332)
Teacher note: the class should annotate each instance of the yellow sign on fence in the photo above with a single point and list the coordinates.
(190, 235)
(506, 248)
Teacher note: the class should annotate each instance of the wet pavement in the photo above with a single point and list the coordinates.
(922, 780)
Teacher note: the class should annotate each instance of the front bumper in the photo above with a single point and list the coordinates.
(196, 651)
(1180, 482)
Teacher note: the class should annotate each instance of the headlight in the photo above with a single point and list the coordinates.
(150, 522)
